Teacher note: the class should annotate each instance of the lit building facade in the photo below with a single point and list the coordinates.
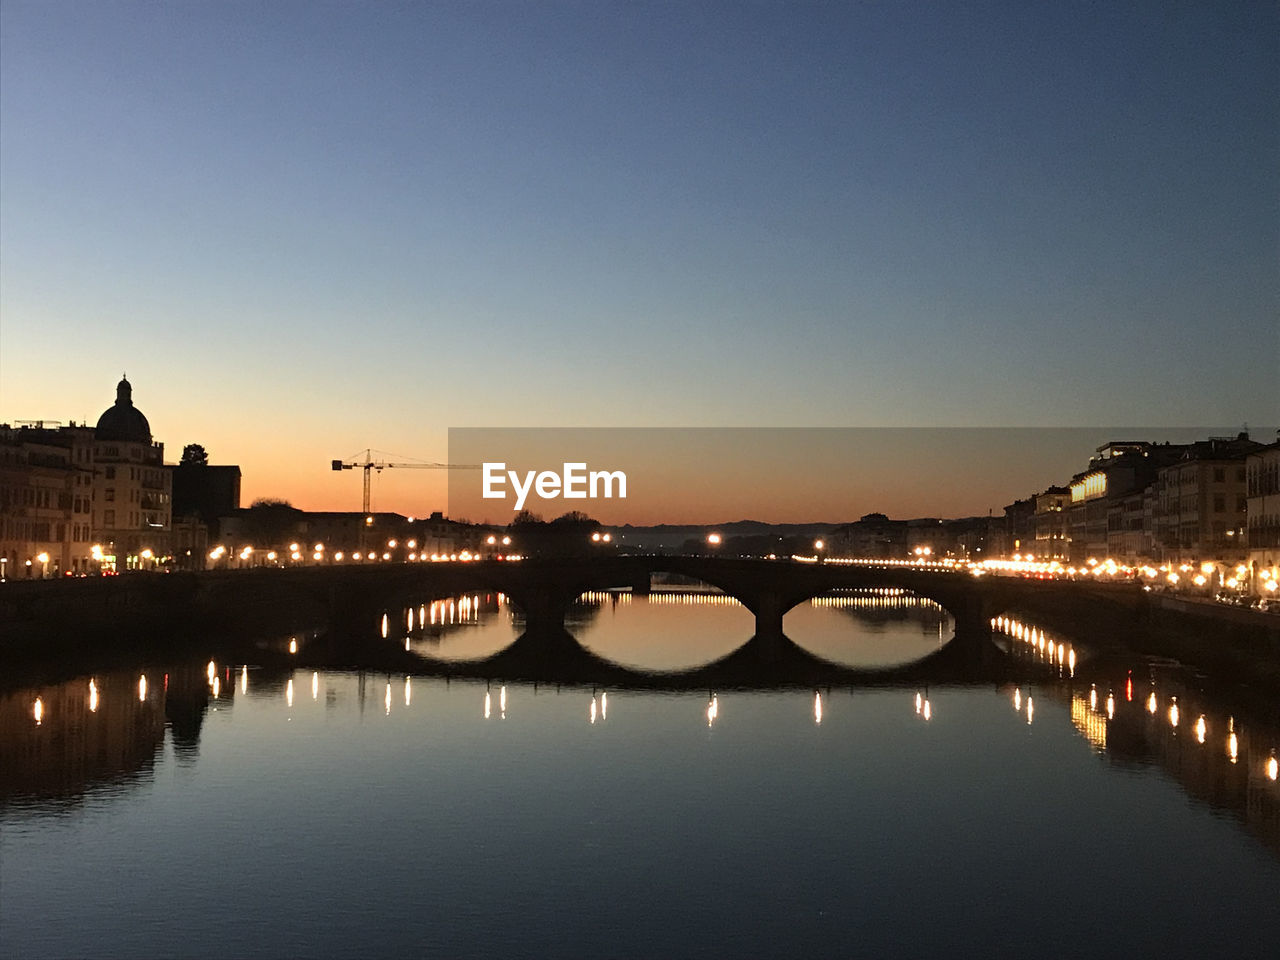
(79, 499)
(133, 490)
(46, 501)
(1202, 501)
(1262, 509)
(1052, 529)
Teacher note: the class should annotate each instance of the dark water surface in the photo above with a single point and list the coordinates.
(227, 809)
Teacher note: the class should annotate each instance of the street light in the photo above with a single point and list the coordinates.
(713, 539)
(44, 564)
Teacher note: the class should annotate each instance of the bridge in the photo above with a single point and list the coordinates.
(46, 619)
(544, 591)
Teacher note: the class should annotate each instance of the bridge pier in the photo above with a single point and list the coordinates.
(768, 609)
(769, 643)
(544, 609)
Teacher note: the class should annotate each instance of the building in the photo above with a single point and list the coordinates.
(203, 494)
(1051, 526)
(46, 501)
(133, 488)
(267, 534)
(873, 535)
(1262, 511)
(1016, 533)
(1129, 526)
(1201, 502)
(84, 498)
(205, 491)
(1117, 470)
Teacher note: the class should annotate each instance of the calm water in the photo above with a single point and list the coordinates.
(228, 809)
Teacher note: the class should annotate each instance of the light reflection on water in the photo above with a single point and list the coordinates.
(721, 822)
(679, 629)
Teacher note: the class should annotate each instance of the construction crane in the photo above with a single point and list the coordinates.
(368, 465)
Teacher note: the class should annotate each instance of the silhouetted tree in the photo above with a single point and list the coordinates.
(196, 454)
(271, 522)
(568, 535)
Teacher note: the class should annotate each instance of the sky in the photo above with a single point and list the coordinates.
(307, 229)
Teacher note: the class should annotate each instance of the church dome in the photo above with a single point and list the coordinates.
(123, 421)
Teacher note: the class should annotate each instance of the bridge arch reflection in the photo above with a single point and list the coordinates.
(513, 650)
(544, 591)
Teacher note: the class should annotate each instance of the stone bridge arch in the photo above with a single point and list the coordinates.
(544, 589)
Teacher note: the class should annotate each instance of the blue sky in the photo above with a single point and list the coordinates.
(306, 229)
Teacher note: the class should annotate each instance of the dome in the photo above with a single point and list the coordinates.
(123, 421)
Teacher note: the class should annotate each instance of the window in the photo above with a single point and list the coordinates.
(110, 494)
(1219, 503)
(111, 473)
(1219, 474)
(109, 518)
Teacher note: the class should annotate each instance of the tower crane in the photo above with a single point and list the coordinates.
(368, 465)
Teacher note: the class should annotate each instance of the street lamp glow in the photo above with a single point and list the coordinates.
(42, 557)
(818, 544)
(713, 539)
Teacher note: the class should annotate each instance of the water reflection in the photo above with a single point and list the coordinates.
(1226, 762)
(660, 780)
(673, 629)
(58, 744)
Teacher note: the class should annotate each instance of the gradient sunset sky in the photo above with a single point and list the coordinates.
(305, 229)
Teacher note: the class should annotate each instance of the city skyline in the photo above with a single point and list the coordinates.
(308, 230)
